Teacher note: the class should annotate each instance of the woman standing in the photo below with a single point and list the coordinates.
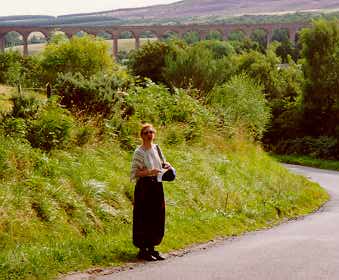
(149, 203)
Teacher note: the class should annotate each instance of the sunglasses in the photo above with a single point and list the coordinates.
(148, 131)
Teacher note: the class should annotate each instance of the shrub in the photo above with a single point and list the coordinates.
(83, 135)
(126, 131)
(7, 60)
(175, 135)
(219, 49)
(122, 57)
(32, 75)
(85, 55)
(287, 123)
(16, 69)
(13, 75)
(15, 127)
(244, 45)
(155, 104)
(52, 127)
(262, 68)
(25, 105)
(148, 61)
(195, 67)
(323, 147)
(98, 93)
(241, 102)
(16, 158)
(287, 49)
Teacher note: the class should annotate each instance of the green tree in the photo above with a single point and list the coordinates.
(16, 69)
(280, 35)
(219, 49)
(244, 45)
(7, 60)
(86, 55)
(191, 37)
(282, 88)
(195, 67)
(286, 49)
(260, 36)
(13, 39)
(57, 38)
(236, 36)
(214, 35)
(320, 53)
(148, 61)
(262, 68)
(240, 102)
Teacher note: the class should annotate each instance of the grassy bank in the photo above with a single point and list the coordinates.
(65, 196)
(308, 161)
(71, 210)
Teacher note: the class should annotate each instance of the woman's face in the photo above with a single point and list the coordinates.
(148, 134)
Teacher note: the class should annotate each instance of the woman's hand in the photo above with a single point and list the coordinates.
(154, 172)
(166, 165)
(148, 172)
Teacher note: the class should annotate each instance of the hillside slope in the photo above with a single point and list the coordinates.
(71, 209)
(190, 8)
(184, 12)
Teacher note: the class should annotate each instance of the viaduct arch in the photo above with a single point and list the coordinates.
(159, 31)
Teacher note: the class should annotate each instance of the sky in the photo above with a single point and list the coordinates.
(61, 7)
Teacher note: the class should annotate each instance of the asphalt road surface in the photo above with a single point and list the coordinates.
(304, 249)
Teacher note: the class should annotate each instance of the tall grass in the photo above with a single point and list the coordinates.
(70, 210)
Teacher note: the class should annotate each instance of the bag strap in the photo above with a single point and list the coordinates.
(160, 154)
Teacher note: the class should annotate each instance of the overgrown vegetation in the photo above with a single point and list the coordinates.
(65, 194)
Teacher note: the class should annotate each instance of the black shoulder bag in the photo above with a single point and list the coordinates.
(170, 174)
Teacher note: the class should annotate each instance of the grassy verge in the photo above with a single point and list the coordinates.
(72, 209)
(308, 161)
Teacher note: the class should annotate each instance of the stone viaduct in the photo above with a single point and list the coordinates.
(159, 31)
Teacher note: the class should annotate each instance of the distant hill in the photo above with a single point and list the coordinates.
(194, 8)
(191, 11)
(24, 17)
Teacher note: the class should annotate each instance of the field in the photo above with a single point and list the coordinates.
(123, 45)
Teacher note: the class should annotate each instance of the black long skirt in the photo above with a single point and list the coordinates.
(148, 213)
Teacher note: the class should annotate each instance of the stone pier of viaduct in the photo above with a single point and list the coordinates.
(159, 31)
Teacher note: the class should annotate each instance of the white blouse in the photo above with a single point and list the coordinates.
(145, 158)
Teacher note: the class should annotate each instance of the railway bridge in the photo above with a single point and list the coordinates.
(158, 31)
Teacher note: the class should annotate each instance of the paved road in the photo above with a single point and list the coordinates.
(305, 249)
